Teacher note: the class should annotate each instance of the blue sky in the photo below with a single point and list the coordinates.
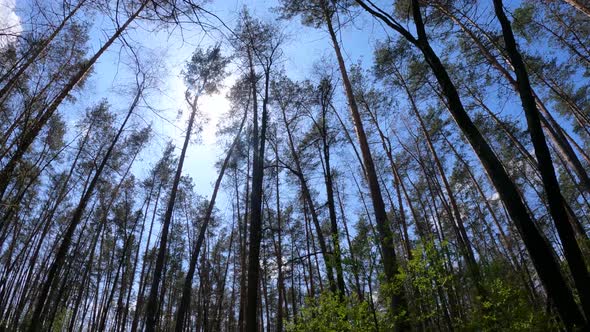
(167, 50)
(304, 47)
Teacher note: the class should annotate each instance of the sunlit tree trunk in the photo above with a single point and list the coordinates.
(397, 304)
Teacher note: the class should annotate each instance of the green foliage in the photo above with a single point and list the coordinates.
(506, 306)
(313, 12)
(425, 274)
(427, 266)
(504, 309)
(60, 321)
(524, 24)
(205, 70)
(329, 313)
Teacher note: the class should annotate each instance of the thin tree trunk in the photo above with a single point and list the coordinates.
(336, 255)
(36, 318)
(279, 250)
(152, 305)
(183, 306)
(298, 172)
(398, 303)
(355, 262)
(29, 136)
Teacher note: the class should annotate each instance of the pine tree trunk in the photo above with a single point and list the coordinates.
(337, 259)
(28, 137)
(255, 235)
(580, 5)
(183, 306)
(557, 209)
(152, 305)
(60, 256)
(398, 303)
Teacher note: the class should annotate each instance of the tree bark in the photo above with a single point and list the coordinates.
(60, 256)
(557, 209)
(540, 251)
(580, 5)
(29, 137)
(397, 303)
(183, 306)
(152, 306)
(255, 235)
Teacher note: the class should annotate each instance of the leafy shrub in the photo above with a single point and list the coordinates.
(328, 313)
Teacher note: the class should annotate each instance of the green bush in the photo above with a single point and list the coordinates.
(328, 313)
